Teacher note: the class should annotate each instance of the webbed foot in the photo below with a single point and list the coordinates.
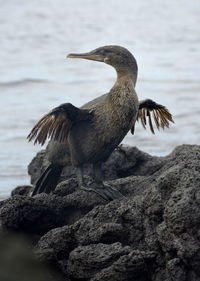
(104, 190)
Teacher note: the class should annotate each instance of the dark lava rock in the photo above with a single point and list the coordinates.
(86, 261)
(39, 214)
(22, 190)
(37, 166)
(123, 162)
(153, 233)
(136, 265)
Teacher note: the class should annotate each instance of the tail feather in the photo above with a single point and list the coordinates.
(48, 180)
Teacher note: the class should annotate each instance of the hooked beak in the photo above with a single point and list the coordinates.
(87, 56)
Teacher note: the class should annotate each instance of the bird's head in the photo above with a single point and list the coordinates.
(118, 57)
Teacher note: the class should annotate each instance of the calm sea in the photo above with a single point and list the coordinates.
(35, 76)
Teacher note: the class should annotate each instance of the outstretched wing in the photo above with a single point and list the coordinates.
(161, 116)
(57, 123)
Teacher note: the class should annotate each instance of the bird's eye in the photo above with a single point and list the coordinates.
(101, 52)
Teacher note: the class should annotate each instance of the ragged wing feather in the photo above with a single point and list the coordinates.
(57, 123)
(161, 116)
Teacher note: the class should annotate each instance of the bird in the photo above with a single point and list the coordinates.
(89, 134)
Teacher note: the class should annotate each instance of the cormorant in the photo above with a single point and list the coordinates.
(89, 134)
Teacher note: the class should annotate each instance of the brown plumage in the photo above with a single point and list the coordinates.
(161, 115)
(57, 123)
(89, 134)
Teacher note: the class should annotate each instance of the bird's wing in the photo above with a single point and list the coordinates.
(57, 123)
(95, 102)
(161, 116)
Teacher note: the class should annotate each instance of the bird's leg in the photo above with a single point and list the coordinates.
(98, 173)
(81, 180)
(80, 177)
(104, 190)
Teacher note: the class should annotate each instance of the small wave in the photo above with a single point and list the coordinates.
(172, 81)
(22, 82)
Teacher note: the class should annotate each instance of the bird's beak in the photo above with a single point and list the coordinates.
(87, 56)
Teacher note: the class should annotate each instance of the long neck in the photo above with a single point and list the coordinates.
(123, 91)
(125, 74)
(122, 101)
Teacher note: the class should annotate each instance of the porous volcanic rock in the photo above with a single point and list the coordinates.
(153, 233)
(124, 161)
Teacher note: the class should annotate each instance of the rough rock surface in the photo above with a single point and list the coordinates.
(153, 233)
(124, 161)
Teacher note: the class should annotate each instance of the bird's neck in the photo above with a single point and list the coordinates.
(125, 79)
(123, 91)
(125, 75)
(123, 101)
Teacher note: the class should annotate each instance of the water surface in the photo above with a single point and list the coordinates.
(36, 35)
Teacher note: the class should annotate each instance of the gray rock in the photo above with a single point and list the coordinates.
(86, 261)
(123, 162)
(37, 166)
(39, 214)
(152, 233)
(136, 265)
(22, 190)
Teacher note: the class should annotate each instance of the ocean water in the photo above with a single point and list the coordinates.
(35, 75)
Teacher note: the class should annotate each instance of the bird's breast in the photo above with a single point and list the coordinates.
(115, 118)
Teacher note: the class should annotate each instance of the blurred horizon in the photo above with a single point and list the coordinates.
(35, 75)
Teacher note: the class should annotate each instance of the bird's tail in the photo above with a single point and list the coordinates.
(48, 180)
